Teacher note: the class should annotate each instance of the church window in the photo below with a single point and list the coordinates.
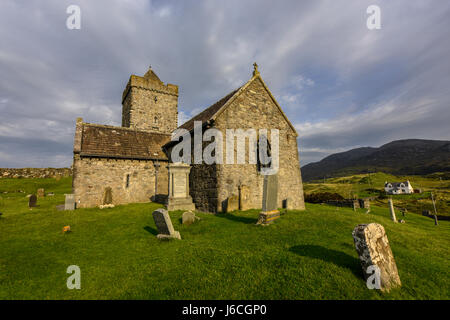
(127, 182)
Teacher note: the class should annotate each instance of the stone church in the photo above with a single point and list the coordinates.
(128, 164)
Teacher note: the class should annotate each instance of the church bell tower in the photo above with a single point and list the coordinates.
(150, 105)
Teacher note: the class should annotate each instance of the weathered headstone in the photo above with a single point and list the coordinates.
(232, 203)
(164, 225)
(107, 196)
(287, 203)
(244, 198)
(40, 192)
(189, 217)
(391, 209)
(374, 251)
(32, 201)
(70, 202)
(179, 198)
(270, 200)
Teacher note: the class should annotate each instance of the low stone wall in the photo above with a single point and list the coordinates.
(34, 172)
(356, 203)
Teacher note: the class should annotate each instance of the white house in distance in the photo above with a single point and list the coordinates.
(398, 187)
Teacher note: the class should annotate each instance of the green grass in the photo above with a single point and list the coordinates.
(360, 186)
(303, 255)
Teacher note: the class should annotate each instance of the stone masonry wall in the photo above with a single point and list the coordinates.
(143, 112)
(93, 175)
(203, 187)
(254, 108)
(35, 172)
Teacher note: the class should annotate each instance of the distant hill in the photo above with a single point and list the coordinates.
(401, 157)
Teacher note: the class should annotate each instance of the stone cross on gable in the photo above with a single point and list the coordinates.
(255, 69)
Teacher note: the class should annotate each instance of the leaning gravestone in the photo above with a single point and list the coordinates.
(270, 200)
(40, 192)
(70, 202)
(164, 225)
(32, 201)
(391, 209)
(373, 249)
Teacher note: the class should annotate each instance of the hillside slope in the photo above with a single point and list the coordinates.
(402, 157)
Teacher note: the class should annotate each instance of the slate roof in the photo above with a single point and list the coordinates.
(152, 76)
(209, 112)
(396, 184)
(117, 142)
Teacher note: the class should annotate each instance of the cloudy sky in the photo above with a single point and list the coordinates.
(341, 84)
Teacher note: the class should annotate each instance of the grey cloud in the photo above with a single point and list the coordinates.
(50, 75)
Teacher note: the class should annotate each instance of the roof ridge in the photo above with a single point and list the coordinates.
(218, 104)
(123, 128)
(217, 108)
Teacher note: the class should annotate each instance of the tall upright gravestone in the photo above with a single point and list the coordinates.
(69, 203)
(270, 200)
(376, 255)
(179, 198)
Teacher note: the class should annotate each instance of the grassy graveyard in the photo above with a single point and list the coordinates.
(303, 255)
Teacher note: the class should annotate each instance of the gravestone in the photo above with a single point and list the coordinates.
(232, 203)
(188, 218)
(391, 209)
(179, 198)
(270, 200)
(244, 198)
(288, 203)
(40, 192)
(32, 201)
(364, 203)
(373, 249)
(164, 225)
(107, 196)
(70, 202)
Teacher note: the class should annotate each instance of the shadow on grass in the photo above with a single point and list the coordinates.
(232, 217)
(338, 258)
(151, 230)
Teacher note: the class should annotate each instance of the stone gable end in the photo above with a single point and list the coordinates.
(255, 108)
